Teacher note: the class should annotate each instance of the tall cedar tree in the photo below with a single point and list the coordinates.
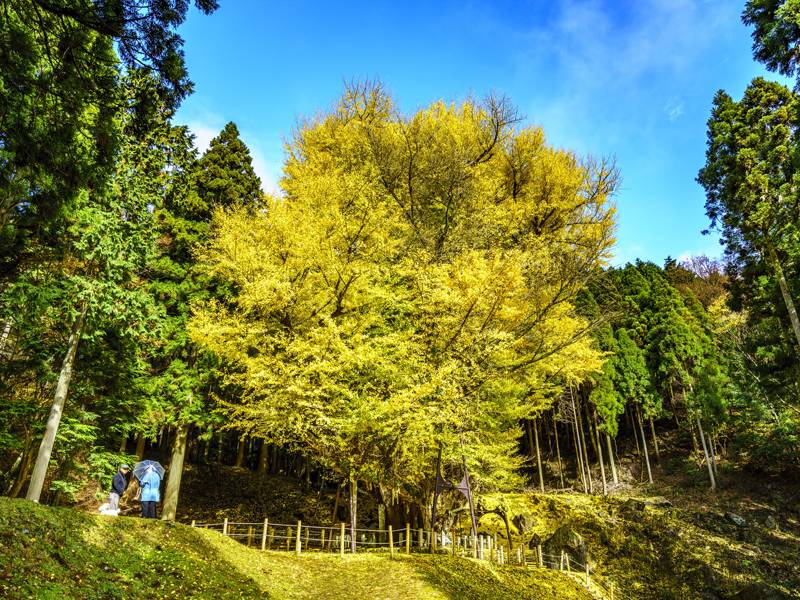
(750, 178)
(182, 375)
(60, 89)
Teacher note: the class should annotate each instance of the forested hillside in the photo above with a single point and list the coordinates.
(429, 289)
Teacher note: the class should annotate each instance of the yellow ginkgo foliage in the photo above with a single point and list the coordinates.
(412, 286)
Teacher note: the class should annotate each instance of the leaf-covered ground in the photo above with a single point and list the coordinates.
(62, 553)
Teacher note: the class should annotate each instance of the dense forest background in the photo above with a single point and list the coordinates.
(430, 280)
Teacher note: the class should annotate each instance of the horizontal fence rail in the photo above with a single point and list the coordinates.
(301, 538)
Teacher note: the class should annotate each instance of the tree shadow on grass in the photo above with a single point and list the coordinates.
(466, 579)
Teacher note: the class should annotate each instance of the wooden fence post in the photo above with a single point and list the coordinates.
(391, 542)
(264, 535)
(519, 555)
(250, 536)
(298, 542)
(308, 533)
(341, 541)
(225, 527)
(271, 538)
(539, 554)
(289, 536)
(322, 539)
(192, 522)
(408, 538)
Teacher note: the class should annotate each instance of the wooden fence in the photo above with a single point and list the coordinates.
(299, 538)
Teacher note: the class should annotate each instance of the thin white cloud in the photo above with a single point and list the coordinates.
(268, 171)
(674, 110)
(600, 64)
(203, 134)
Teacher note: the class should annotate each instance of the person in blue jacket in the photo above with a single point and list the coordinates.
(151, 493)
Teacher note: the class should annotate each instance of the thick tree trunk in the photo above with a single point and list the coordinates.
(170, 506)
(644, 446)
(713, 452)
(558, 453)
(140, 447)
(15, 467)
(22, 474)
(263, 454)
(240, 453)
(336, 501)
(708, 458)
(655, 439)
(56, 410)
(611, 459)
(353, 512)
(207, 446)
(786, 293)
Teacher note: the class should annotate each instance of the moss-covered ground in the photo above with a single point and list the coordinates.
(62, 553)
(652, 548)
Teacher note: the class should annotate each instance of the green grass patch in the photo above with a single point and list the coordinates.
(61, 553)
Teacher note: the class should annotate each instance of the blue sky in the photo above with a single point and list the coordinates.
(630, 79)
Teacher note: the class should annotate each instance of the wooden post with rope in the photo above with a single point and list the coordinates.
(298, 542)
(341, 541)
(264, 535)
(391, 542)
(225, 527)
(408, 538)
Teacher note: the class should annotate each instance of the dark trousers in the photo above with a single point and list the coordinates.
(149, 510)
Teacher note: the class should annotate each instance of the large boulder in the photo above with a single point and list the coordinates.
(567, 539)
(523, 523)
(737, 520)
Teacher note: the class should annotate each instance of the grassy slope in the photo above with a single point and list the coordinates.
(62, 553)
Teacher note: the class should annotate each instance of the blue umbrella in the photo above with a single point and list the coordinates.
(140, 468)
